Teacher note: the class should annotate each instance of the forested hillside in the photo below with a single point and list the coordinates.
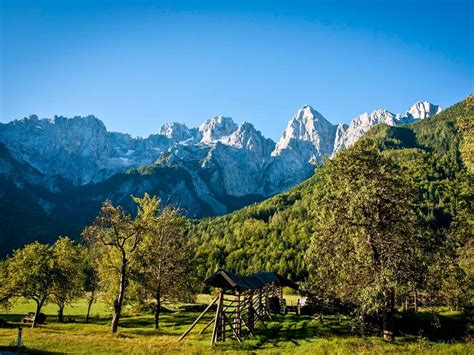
(274, 234)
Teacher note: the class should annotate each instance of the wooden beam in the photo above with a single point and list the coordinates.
(198, 319)
(212, 320)
(217, 318)
(233, 329)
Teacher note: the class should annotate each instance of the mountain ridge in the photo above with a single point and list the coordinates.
(81, 150)
(65, 167)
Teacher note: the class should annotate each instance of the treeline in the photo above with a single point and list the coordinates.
(143, 260)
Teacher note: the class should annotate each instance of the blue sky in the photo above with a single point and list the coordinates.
(138, 64)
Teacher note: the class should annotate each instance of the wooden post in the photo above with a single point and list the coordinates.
(250, 314)
(197, 319)
(20, 332)
(222, 324)
(267, 303)
(238, 321)
(218, 317)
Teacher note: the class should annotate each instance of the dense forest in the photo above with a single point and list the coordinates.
(432, 154)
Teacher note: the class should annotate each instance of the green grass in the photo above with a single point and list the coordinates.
(286, 334)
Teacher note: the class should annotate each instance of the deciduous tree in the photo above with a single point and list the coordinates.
(29, 274)
(68, 276)
(116, 237)
(364, 241)
(167, 268)
(91, 280)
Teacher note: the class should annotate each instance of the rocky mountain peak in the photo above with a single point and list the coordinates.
(217, 128)
(175, 131)
(308, 125)
(421, 110)
(78, 123)
(248, 137)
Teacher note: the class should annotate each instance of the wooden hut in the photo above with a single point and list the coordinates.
(242, 302)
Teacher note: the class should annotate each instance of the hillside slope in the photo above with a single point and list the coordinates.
(274, 234)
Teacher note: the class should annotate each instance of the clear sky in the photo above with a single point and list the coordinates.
(138, 64)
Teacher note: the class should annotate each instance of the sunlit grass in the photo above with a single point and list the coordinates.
(285, 334)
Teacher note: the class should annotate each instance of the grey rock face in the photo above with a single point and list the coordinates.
(225, 164)
(216, 128)
(307, 140)
(179, 132)
(421, 110)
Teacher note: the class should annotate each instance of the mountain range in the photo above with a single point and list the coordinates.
(65, 167)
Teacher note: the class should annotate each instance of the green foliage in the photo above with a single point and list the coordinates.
(116, 236)
(30, 270)
(364, 240)
(148, 255)
(29, 273)
(68, 273)
(269, 236)
(166, 257)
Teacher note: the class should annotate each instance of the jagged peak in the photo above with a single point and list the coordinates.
(218, 120)
(168, 125)
(248, 128)
(308, 125)
(422, 109)
(306, 121)
(175, 130)
(307, 111)
(217, 128)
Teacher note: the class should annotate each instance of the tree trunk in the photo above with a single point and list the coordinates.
(118, 302)
(61, 312)
(388, 327)
(415, 298)
(39, 304)
(89, 305)
(156, 319)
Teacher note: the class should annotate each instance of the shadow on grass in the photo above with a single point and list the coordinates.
(298, 329)
(15, 320)
(24, 350)
(435, 327)
(175, 320)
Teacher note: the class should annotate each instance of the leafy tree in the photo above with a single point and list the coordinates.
(5, 293)
(68, 277)
(166, 257)
(364, 239)
(116, 236)
(91, 280)
(29, 274)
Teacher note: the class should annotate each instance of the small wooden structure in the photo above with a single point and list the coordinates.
(241, 303)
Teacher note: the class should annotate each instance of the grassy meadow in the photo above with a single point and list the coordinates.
(286, 334)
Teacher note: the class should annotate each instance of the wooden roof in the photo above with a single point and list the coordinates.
(227, 280)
